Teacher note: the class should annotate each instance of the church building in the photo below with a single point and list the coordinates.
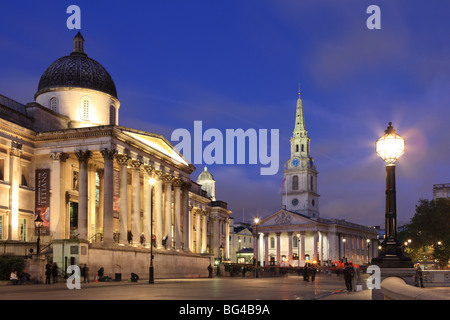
(297, 234)
(101, 190)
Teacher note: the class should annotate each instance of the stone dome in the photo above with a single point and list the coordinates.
(77, 70)
(205, 175)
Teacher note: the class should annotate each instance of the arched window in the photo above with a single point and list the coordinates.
(312, 185)
(85, 109)
(54, 104)
(296, 148)
(295, 183)
(272, 243)
(112, 114)
(295, 242)
(303, 147)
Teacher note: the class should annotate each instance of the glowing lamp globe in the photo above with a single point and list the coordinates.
(390, 146)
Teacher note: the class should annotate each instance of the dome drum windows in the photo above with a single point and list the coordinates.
(54, 104)
(85, 103)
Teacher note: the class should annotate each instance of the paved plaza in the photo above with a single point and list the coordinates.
(291, 287)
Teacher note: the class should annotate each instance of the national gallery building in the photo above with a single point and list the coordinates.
(97, 185)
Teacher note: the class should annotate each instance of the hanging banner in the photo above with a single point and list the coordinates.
(116, 194)
(42, 199)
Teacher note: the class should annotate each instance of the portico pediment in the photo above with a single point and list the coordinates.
(284, 217)
(158, 143)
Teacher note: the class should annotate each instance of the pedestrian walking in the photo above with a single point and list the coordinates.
(48, 273)
(313, 273)
(306, 273)
(142, 239)
(348, 275)
(55, 273)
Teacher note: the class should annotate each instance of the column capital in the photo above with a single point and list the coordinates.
(177, 182)
(83, 155)
(15, 152)
(135, 164)
(108, 153)
(61, 156)
(167, 178)
(148, 168)
(122, 159)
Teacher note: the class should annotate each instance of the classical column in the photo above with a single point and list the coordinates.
(167, 223)
(204, 231)
(198, 235)
(266, 249)
(122, 160)
(316, 236)
(227, 239)
(92, 169)
(302, 244)
(101, 210)
(146, 221)
(83, 158)
(290, 245)
(158, 206)
(278, 247)
(215, 234)
(57, 200)
(15, 178)
(177, 183)
(136, 200)
(186, 218)
(108, 198)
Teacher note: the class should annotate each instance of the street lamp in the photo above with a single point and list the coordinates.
(390, 147)
(151, 279)
(38, 223)
(256, 229)
(344, 240)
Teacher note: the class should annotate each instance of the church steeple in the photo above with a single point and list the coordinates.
(299, 119)
(300, 175)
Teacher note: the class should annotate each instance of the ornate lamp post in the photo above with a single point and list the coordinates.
(390, 147)
(38, 223)
(151, 279)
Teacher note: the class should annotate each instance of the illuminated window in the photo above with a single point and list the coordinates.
(112, 115)
(2, 169)
(23, 229)
(85, 106)
(24, 176)
(272, 243)
(54, 104)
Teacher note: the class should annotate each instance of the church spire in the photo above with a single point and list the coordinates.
(299, 118)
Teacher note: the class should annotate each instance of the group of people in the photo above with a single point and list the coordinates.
(23, 278)
(51, 272)
(309, 271)
(350, 276)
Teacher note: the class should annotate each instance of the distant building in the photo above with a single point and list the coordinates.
(441, 191)
(241, 242)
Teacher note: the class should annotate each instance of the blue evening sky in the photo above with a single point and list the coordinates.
(237, 64)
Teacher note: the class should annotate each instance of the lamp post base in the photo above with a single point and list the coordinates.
(391, 256)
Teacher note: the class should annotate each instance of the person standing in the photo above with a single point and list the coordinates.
(419, 276)
(348, 275)
(85, 273)
(55, 272)
(48, 272)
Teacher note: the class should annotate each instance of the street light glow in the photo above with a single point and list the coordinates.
(390, 146)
